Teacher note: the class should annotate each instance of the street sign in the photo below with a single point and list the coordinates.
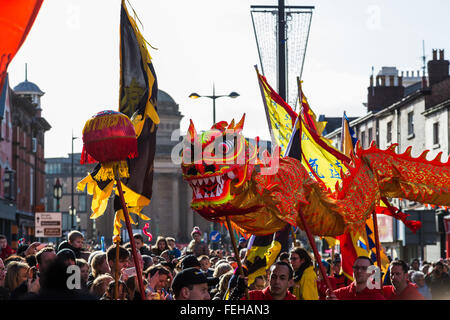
(214, 236)
(47, 224)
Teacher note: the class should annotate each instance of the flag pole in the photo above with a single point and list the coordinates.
(116, 285)
(130, 233)
(377, 239)
(236, 253)
(316, 252)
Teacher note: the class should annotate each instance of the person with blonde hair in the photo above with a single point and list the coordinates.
(99, 266)
(100, 285)
(18, 280)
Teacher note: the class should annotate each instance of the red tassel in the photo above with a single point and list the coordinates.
(84, 156)
(392, 211)
(413, 225)
(148, 234)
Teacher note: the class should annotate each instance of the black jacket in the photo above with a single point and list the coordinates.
(65, 245)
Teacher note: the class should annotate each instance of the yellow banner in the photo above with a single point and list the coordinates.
(326, 166)
(280, 120)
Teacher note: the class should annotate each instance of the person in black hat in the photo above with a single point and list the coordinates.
(191, 284)
(66, 256)
(190, 261)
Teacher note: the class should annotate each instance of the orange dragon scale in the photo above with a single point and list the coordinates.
(261, 194)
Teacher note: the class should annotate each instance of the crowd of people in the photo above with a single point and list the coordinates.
(71, 271)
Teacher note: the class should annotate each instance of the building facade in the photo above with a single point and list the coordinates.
(21, 159)
(416, 115)
(7, 173)
(61, 169)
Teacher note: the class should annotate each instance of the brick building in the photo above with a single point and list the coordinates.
(22, 159)
(7, 173)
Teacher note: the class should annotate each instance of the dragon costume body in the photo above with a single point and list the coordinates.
(229, 178)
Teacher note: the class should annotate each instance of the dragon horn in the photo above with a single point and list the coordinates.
(231, 126)
(192, 132)
(240, 124)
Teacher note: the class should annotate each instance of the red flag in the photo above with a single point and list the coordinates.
(348, 254)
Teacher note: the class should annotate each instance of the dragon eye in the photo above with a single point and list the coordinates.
(225, 147)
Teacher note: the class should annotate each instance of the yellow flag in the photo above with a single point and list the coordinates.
(279, 114)
(320, 163)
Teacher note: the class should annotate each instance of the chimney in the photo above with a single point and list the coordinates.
(383, 95)
(391, 81)
(424, 82)
(437, 69)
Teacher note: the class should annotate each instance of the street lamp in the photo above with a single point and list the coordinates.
(214, 97)
(57, 193)
(73, 213)
(79, 223)
(71, 192)
(232, 95)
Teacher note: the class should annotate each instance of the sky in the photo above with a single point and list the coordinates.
(72, 53)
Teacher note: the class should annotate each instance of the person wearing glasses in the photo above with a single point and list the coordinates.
(401, 288)
(305, 278)
(358, 289)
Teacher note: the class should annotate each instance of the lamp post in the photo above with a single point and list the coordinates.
(214, 97)
(72, 206)
(72, 213)
(57, 193)
(232, 95)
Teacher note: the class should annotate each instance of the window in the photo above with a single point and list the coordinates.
(389, 132)
(31, 186)
(8, 184)
(410, 123)
(82, 203)
(370, 136)
(363, 139)
(7, 125)
(436, 133)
